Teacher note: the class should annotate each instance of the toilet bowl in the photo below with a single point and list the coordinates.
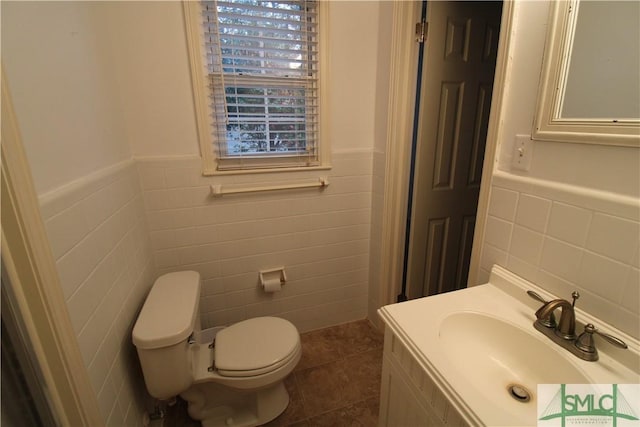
(229, 376)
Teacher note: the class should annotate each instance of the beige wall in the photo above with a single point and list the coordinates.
(68, 106)
(613, 169)
(97, 83)
(66, 97)
(120, 69)
(150, 51)
(571, 221)
(103, 97)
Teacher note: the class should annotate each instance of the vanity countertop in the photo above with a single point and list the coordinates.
(477, 342)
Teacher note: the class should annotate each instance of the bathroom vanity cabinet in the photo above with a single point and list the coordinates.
(409, 395)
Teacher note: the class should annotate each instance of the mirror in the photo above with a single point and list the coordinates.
(590, 87)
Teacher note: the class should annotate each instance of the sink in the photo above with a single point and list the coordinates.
(504, 352)
(495, 355)
(477, 343)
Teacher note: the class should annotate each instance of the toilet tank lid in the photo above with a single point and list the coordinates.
(169, 313)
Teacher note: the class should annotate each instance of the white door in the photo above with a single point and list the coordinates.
(455, 99)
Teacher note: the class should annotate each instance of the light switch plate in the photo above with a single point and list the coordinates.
(522, 152)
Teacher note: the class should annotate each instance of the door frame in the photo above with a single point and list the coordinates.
(402, 86)
(34, 286)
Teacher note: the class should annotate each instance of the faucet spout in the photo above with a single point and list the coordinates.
(567, 325)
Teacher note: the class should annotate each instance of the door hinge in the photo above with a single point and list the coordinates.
(421, 31)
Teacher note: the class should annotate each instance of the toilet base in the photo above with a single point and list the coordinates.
(215, 405)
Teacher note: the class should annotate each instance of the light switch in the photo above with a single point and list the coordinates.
(522, 152)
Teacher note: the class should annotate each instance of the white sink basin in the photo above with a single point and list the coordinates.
(503, 353)
(477, 342)
(494, 356)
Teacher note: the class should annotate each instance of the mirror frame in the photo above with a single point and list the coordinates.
(548, 124)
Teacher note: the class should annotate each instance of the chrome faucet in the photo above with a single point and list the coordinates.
(564, 333)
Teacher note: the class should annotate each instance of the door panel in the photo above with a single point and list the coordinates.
(464, 255)
(436, 248)
(457, 39)
(457, 81)
(483, 107)
(451, 97)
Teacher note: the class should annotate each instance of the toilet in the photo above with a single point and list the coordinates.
(230, 376)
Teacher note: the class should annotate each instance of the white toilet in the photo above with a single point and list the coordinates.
(234, 380)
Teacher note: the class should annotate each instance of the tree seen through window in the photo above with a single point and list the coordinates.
(267, 57)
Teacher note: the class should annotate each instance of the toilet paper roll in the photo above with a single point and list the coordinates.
(272, 285)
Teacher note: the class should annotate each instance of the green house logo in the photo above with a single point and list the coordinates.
(588, 404)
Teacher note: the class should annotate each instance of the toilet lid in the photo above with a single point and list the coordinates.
(255, 343)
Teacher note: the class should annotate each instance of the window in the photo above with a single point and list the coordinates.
(255, 68)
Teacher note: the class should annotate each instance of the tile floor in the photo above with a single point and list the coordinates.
(336, 383)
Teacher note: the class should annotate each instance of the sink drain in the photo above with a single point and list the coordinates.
(519, 393)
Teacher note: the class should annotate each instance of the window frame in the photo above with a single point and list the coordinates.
(203, 111)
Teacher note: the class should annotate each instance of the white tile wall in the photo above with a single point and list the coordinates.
(321, 237)
(568, 238)
(613, 237)
(503, 203)
(569, 223)
(499, 232)
(97, 231)
(533, 212)
(526, 244)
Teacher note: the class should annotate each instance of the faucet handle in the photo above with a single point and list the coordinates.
(536, 296)
(549, 322)
(585, 340)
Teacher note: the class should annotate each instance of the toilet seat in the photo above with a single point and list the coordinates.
(255, 347)
(261, 371)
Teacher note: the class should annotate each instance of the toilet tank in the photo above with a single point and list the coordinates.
(169, 315)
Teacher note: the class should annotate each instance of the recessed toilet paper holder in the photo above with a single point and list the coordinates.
(271, 275)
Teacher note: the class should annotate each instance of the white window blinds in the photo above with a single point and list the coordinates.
(262, 59)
